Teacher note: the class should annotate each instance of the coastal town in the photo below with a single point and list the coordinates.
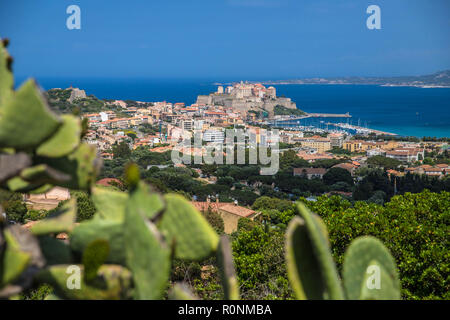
(244, 106)
(152, 130)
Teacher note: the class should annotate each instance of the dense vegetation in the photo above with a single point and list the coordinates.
(58, 100)
(279, 110)
(244, 182)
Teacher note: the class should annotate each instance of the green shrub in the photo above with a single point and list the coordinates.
(35, 215)
(15, 210)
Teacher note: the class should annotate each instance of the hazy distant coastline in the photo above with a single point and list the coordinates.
(436, 80)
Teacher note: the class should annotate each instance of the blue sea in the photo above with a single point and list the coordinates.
(402, 110)
(405, 111)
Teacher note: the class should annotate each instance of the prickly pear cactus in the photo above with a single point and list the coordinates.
(112, 282)
(6, 77)
(62, 221)
(19, 125)
(227, 272)
(39, 149)
(195, 242)
(94, 256)
(95, 229)
(21, 259)
(311, 269)
(369, 271)
(180, 291)
(110, 204)
(146, 251)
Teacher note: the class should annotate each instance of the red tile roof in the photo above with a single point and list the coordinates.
(107, 181)
(224, 206)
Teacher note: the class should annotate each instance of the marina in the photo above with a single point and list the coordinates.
(361, 130)
(320, 123)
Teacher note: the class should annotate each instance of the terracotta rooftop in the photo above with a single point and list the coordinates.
(161, 149)
(224, 206)
(237, 210)
(315, 156)
(204, 205)
(395, 172)
(107, 181)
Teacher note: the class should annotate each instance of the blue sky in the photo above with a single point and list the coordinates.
(226, 39)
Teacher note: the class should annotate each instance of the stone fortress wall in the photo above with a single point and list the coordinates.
(234, 99)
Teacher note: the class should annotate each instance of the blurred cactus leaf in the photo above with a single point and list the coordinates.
(152, 203)
(2, 237)
(180, 291)
(55, 251)
(15, 261)
(363, 253)
(82, 165)
(110, 204)
(95, 229)
(94, 256)
(65, 139)
(227, 272)
(17, 184)
(6, 77)
(28, 243)
(52, 296)
(26, 120)
(147, 254)
(132, 175)
(388, 289)
(42, 189)
(12, 164)
(196, 242)
(311, 269)
(43, 174)
(61, 221)
(22, 258)
(303, 268)
(111, 283)
(322, 227)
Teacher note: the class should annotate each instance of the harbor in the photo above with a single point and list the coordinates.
(320, 123)
(361, 130)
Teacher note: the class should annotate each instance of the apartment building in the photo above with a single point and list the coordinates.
(316, 142)
(406, 154)
(213, 135)
(336, 140)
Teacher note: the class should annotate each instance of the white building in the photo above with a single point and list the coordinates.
(213, 136)
(406, 154)
(375, 152)
(187, 124)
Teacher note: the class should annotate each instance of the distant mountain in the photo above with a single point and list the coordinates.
(438, 79)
